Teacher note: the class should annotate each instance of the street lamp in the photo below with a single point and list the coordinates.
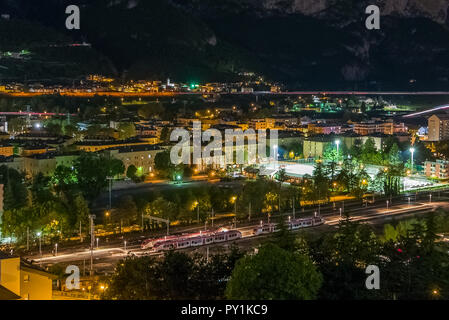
(234, 200)
(124, 244)
(197, 205)
(337, 142)
(275, 151)
(430, 197)
(40, 245)
(387, 204)
(56, 249)
(107, 214)
(97, 242)
(412, 151)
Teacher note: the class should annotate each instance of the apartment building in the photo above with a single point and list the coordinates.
(387, 127)
(262, 124)
(141, 156)
(438, 127)
(437, 169)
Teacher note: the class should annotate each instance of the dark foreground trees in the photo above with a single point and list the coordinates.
(413, 265)
(176, 276)
(274, 273)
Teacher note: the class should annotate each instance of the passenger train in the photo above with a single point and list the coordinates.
(191, 240)
(221, 235)
(292, 224)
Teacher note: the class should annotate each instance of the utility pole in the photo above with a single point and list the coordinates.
(92, 240)
(198, 212)
(293, 202)
(28, 238)
(110, 191)
(81, 234)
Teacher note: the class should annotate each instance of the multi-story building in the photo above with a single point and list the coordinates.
(20, 280)
(322, 128)
(316, 146)
(94, 146)
(262, 124)
(437, 169)
(371, 127)
(438, 125)
(141, 156)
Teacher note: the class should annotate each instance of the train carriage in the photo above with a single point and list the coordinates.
(192, 240)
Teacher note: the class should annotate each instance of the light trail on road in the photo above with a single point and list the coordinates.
(172, 94)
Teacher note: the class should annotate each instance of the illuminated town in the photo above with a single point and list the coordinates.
(355, 177)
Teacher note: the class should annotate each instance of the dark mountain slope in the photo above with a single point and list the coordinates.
(320, 45)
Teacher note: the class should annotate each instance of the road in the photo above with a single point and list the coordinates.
(172, 94)
(105, 257)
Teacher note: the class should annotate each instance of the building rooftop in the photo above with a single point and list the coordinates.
(4, 255)
(107, 142)
(6, 294)
(142, 147)
(442, 116)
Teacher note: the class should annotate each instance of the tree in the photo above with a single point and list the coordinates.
(342, 258)
(389, 179)
(176, 271)
(151, 110)
(131, 172)
(161, 208)
(163, 164)
(92, 170)
(17, 125)
(369, 153)
(320, 182)
(126, 130)
(134, 279)
(415, 266)
(127, 210)
(15, 191)
(274, 273)
(64, 179)
(175, 276)
(40, 188)
(54, 128)
(284, 238)
(115, 167)
(165, 135)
